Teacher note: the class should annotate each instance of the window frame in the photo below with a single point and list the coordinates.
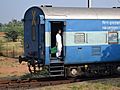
(82, 41)
(110, 41)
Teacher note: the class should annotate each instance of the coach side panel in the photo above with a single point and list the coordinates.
(89, 41)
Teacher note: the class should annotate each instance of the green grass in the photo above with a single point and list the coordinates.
(43, 73)
(89, 86)
(104, 84)
(2, 39)
(10, 49)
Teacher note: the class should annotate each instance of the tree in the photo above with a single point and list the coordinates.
(1, 25)
(11, 35)
(13, 29)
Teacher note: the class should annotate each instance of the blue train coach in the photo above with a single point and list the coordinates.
(90, 37)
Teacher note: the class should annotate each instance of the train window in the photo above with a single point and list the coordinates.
(96, 38)
(33, 33)
(112, 37)
(79, 38)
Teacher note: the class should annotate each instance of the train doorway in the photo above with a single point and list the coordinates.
(55, 26)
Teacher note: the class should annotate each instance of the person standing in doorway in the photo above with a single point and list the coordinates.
(59, 43)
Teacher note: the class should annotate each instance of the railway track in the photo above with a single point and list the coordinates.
(33, 83)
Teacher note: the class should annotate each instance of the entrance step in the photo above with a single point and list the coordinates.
(56, 68)
(56, 60)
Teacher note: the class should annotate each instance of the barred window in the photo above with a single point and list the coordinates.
(79, 38)
(113, 37)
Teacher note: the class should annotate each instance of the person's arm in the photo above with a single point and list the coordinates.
(56, 40)
(56, 44)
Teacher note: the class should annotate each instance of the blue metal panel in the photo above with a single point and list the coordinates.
(83, 54)
(92, 25)
(47, 26)
(29, 44)
(47, 55)
(32, 19)
(83, 25)
(111, 53)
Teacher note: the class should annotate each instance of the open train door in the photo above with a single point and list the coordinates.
(55, 26)
(57, 64)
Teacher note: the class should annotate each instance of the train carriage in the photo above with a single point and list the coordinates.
(90, 37)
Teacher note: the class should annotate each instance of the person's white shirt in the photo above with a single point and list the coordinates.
(59, 44)
(59, 40)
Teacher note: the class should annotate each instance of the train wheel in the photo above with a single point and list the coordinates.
(118, 69)
(73, 71)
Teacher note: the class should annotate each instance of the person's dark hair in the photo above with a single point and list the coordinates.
(59, 30)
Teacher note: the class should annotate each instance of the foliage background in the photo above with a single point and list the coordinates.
(11, 43)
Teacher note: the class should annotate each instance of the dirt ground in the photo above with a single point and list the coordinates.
(10, 67)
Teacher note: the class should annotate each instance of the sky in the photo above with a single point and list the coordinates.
(15, 9)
